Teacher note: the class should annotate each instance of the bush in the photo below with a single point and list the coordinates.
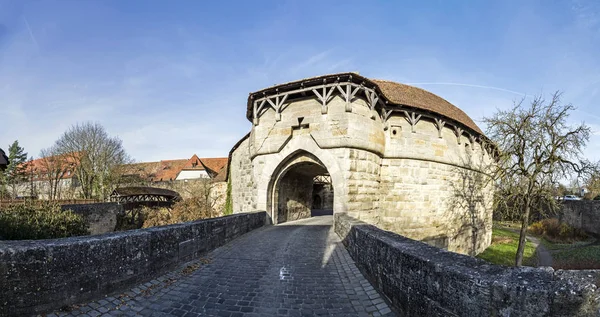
(554, 230)
(153, 217)
(190, 209)
(40, 220)
(537, 228)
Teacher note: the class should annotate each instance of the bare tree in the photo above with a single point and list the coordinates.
(592, 182)
(53, 168)
(538, 147)
(98, 156)
(204, 192)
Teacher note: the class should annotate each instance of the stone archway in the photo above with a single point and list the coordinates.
(296, 151)
(290, 190)
(392, 152)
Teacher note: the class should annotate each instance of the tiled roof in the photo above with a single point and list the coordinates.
(146, 170)
(167, 170)
(39, 167)
(193, 164)
(215, 164)
(222, 175)
(394, 93)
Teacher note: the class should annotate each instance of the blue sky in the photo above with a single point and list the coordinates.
(171, 78)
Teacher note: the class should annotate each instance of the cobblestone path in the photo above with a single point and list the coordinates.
(295, 269)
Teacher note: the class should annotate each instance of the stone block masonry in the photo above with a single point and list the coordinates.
(101, 217)
(583, 214)
(39, 276)
(421, 280)
(397, 157)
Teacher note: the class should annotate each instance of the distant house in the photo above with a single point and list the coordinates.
(173, 170)
(50, 177)
(3, 160)
(201, 168)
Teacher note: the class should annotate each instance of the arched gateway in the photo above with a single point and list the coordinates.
(393, 155)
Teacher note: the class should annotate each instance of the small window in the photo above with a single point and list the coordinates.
(395, 131)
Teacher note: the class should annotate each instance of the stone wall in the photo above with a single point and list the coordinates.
(584, 214)
(424, 179)
(243, 187)
(294, 197)
(323, 196)
(363, 186)
(444, 205)
(421, 280)
(43, 275)
(101, 217)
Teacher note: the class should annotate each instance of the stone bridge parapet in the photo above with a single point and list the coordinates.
(39, 276)
(421, 280)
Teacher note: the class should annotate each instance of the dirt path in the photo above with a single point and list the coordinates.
(544, 257)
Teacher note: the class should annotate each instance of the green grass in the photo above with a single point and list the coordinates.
(503, 249)
(578, 258)
(553, 246)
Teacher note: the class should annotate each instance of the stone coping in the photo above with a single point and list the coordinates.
(421, 280)
(43, 275)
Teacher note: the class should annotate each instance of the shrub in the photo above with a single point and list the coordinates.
(190, 209)
(554, 230)
(537, 228)
(40, 220)
(156, 217)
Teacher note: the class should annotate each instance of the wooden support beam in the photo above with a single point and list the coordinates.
(324, 97)
(385, 115)
(257, 109)
(458, 132)
(412, 118)
(278, 104)
(473, 141)
(372, 99)
(439, 124)
(348, 93)
(325, 91)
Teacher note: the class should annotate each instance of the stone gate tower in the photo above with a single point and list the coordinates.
(394, 155)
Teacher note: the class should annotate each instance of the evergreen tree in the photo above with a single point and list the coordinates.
(16, 171)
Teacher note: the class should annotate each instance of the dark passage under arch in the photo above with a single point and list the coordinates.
(301, 189)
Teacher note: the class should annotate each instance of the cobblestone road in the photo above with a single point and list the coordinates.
(295, 269)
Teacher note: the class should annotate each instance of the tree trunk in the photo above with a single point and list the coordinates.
(523, 234)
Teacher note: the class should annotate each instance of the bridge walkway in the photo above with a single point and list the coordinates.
(298, 268)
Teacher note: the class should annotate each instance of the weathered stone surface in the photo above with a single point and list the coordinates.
(101, 217)
(584, 214)
(424, 179)
(42, 275)
(296, 269)
(421, 280)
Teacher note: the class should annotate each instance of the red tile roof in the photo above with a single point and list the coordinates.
(167, 170)
(193, 164)
(214, 164)
(39, 167)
